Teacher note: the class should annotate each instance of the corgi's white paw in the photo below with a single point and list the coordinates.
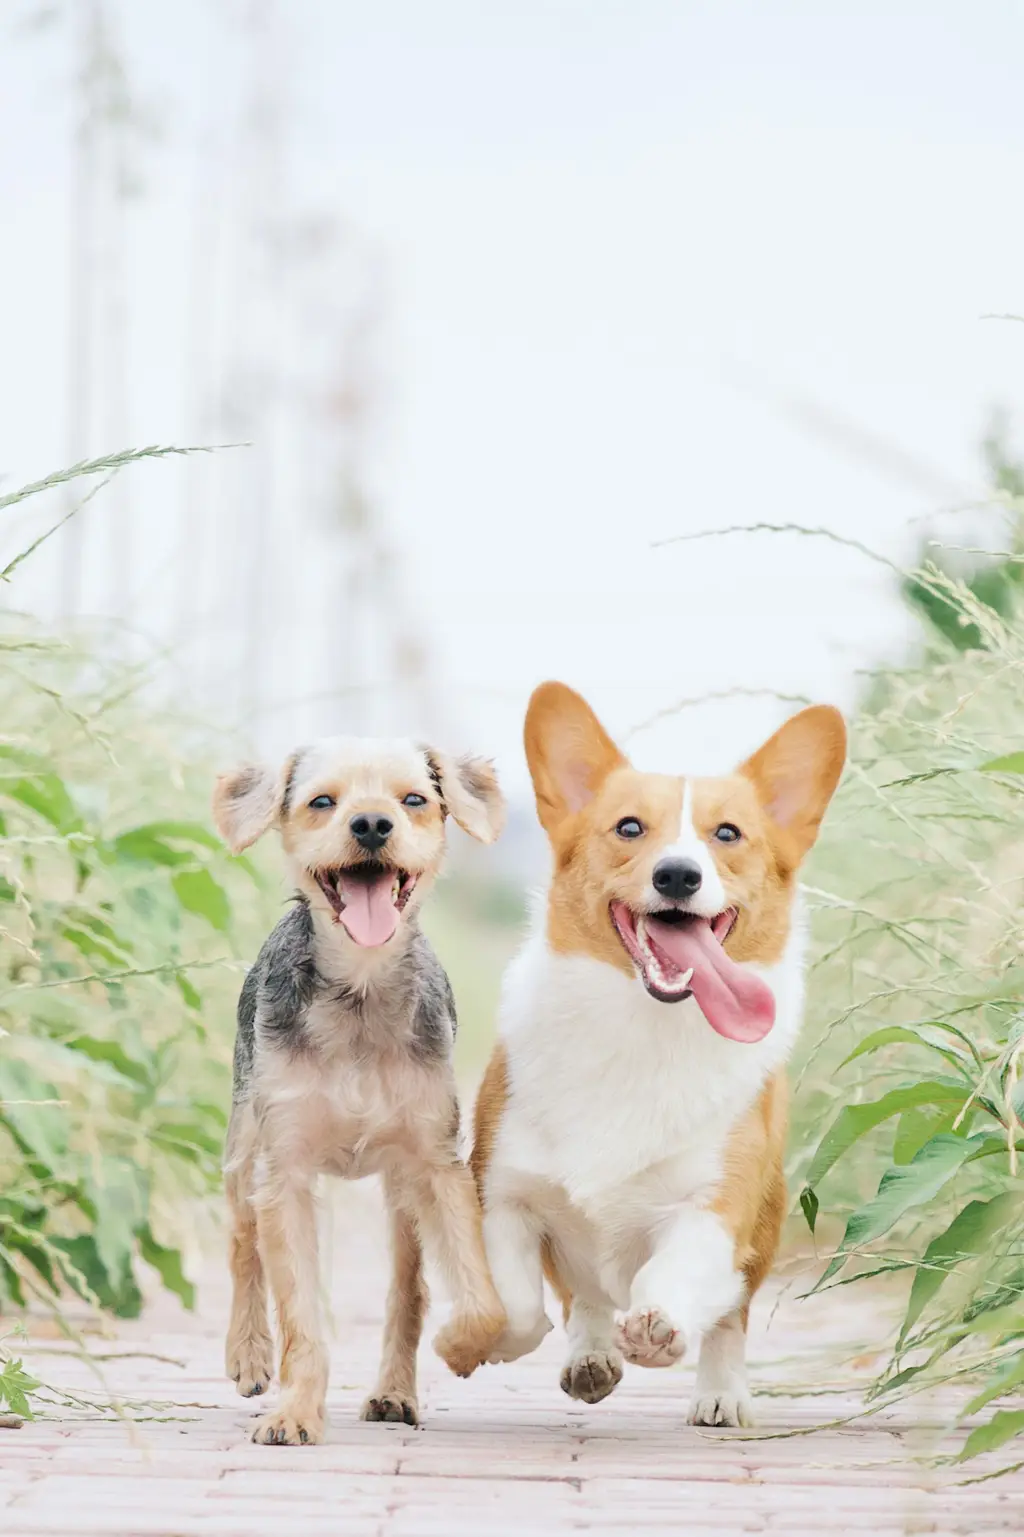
(731, 1408)
(648, 1337)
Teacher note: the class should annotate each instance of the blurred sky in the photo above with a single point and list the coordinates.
(646, 268)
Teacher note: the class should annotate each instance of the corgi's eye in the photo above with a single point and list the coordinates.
(413, 799)
(322, 803)
(629, 827)
(727, 833)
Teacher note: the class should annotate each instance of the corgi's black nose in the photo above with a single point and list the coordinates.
(676, 878)
(372, 832)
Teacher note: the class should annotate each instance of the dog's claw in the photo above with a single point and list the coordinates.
(390, 1409)
(283, 1429)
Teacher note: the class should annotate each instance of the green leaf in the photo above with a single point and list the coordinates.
(853, 1121)
(182, 1135)
(901, 1189)
(86, 1274)
(1009, 763)
(199, 893)
(1011, 1376)
(47, 795)
(40, 1128)
(140, 847)
(95, 937)
(912, 1036)
(15, 1385)
(916, 1127)
(185, 832)
(168, 1263)
(113, 1053)
(969, 1234)
(809, 1206)
(119, 1195)
(191, 994)
(1002, 1427)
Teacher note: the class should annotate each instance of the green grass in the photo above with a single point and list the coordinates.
(910, 1090)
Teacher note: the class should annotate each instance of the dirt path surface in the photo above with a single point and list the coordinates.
(504, 1453)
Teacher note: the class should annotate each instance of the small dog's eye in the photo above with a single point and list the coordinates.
(413, 799)
(322, 803)
(727, 833)
(629, 827)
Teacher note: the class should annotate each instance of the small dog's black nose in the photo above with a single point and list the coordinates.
(677, 878)
(371, 832)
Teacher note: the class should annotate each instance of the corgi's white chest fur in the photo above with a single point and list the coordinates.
(618, 1103)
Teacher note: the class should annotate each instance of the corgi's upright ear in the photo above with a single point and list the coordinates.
(569, 752)
(795, 775)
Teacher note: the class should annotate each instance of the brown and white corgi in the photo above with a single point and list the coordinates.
(631, 1123)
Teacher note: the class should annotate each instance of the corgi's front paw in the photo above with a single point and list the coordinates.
(592, 1375)
(731, 1408)
(648, 1337)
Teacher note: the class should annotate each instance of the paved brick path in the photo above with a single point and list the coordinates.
(504, 1453)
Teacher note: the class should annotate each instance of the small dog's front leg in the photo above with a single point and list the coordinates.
(451, 1212)
(288, 1240)
(394, 1397)
(249, 1350)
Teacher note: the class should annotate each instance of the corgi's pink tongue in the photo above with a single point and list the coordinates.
(369, 914)
(733, 1001)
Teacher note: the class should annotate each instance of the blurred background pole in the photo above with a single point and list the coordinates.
(88, 48)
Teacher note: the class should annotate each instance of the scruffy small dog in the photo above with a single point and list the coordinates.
(343, 1065)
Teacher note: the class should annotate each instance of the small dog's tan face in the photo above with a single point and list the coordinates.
(362, 823)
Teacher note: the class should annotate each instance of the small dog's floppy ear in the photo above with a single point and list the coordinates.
(247, 801)
(469, 790)
(796, 772)
(568, 750)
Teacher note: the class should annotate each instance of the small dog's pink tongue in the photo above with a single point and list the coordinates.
(733, 1001)
(369, 914)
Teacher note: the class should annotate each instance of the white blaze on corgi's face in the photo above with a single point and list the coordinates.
(687, 882)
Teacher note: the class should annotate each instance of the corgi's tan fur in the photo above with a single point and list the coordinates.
(631, 1124)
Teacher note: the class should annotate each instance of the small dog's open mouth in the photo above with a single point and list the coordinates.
(367, 900)
(679, 955)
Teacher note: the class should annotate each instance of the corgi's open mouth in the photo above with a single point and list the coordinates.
(680, 955)
(367, 900)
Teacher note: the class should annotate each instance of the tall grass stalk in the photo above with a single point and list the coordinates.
(120, 920)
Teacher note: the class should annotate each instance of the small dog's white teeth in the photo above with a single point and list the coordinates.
(396, 888)
(684, 980)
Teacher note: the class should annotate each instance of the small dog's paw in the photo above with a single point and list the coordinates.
(732, 1409)
(393, 1408)
(648, 1337)
(467, 1342)
(287, 1428)
(593, 1376)
(250, 1365)
(515, 1343)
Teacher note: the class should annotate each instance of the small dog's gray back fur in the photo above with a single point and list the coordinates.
(413, 1002)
